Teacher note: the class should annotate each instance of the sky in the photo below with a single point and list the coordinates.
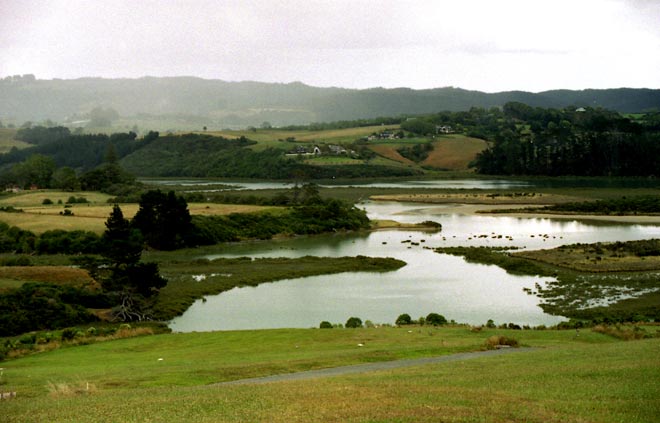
(485, 45)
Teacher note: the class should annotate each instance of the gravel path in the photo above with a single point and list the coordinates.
(370, 367)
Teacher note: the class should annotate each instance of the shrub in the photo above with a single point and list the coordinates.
(490, 324)
(325, 325)
(28, 339)
(76, 200)
(625, 333)
(47, 201)
(69, 333)
(496, 341)
(403, 319)
(436, 319)
(354, 322)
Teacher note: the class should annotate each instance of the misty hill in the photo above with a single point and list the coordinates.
(216, 103)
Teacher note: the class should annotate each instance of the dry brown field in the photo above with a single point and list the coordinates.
(454, 152)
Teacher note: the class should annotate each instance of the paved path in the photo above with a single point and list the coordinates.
(370, 367)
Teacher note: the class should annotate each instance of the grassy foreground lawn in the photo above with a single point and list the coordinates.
(592, 377)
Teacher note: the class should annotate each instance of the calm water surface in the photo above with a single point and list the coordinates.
(430, 282)
(444, 184)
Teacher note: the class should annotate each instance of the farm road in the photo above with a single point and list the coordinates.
(369, 367)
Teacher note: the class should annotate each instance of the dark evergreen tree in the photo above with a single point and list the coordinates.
(164, 220)
(131, 283)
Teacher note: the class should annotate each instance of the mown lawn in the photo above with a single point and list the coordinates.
(165, 378)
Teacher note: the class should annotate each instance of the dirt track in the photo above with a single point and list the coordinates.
(369, 367)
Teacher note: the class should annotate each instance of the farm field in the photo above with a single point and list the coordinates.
(450, 152)
(271, 137)
(455, 152)
(587, 376)
(15, 276)
(90, 216)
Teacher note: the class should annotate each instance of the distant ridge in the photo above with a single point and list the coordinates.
(225, 103)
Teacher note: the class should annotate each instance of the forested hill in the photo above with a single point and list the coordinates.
(219, 103)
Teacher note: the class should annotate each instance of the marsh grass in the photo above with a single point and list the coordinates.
(597, 297)
(599, 257)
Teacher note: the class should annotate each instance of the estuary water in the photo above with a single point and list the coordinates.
(200, 184)
(430, 282)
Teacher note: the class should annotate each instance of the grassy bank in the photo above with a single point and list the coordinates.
(163, 378)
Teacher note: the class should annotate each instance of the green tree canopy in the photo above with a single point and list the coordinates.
(164, 220)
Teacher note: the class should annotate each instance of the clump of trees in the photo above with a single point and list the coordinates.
(39, 306)
(584, 142)
(309, 214)
(164, 220)
(417, 153)
(131, 285)
(433, 319)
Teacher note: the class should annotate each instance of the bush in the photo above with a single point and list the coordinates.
(325, 325)
(47, 201)
(403, 319)
(69, 333)
(436, 319)
(496, 341)
(354, 322)
(76, 200)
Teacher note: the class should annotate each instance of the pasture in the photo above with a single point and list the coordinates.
(277, 138)
(454, 152)
(450, 152)
(91, 216)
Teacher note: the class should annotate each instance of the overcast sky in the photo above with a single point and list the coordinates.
(489, 45)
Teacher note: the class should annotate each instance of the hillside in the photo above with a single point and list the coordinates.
(188, 102)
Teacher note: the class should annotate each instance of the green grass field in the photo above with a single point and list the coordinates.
(339, 136)
(165, 378)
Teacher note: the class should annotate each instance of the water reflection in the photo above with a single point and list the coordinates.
(430, 282)
(445, 184)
